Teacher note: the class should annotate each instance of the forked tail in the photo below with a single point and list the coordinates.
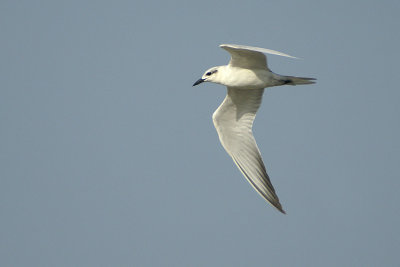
(292, 80)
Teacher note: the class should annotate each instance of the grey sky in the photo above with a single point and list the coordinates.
(108, 156)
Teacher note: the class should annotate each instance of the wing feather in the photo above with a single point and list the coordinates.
(250, 57)
(234, 120)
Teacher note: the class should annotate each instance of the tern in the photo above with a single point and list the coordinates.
(246, 76)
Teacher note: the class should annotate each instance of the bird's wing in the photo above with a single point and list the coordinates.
(234, 120)
(250, 57)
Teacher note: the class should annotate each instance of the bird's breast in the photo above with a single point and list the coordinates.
(248, 79)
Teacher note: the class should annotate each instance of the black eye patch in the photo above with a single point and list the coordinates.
(211, 72)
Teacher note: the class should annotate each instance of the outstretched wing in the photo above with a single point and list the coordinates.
(250, 57)
(234, 120)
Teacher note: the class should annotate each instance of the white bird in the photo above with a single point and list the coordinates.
(245, 77)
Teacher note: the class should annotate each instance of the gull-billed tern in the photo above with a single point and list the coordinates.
(245, 77)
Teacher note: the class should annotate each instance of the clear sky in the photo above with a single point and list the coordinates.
(108, 155)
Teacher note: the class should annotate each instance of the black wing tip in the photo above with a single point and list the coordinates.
(278, 206)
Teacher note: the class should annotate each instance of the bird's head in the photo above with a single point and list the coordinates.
(211, 75)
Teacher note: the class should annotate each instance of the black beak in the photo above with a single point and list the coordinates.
(199, 81)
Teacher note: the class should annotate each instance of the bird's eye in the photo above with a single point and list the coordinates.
(208, 73)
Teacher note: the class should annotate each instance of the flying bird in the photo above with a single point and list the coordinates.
(245, 77)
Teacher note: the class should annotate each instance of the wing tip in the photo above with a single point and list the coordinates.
(257, 49)
(278, 206)
(282, 210)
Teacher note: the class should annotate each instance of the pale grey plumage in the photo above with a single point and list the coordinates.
(246, 76)
(234, 121)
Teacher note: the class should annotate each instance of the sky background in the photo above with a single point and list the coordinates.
(108, 155)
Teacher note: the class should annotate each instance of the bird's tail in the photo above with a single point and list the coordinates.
(292, 80)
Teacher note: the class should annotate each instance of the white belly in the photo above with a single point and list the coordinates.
(249, 79)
